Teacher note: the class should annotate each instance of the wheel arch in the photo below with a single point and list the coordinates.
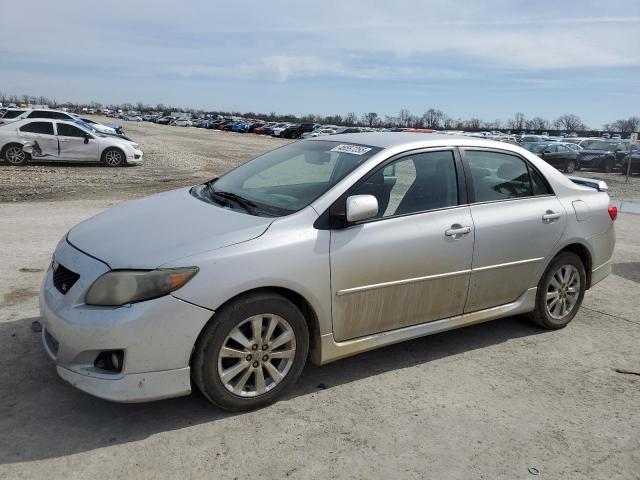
(7, 146)
(584, 254)
(305, 307)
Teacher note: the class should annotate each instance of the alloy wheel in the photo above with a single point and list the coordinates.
(15, 155)
(256, 355)
(113, 158)
(563, 292)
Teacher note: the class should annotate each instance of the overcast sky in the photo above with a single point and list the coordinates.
(470, 58)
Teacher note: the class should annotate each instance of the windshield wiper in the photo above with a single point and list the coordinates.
(245, 203)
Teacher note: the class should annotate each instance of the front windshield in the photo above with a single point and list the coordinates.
(289, 178)
(85, 126)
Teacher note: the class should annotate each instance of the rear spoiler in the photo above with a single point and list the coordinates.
(599, 185)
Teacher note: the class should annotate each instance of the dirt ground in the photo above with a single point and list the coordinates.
(495, 400)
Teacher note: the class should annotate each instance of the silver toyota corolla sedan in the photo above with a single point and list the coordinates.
(321, 249)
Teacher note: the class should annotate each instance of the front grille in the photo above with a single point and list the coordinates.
(589, 156)
(63, 278)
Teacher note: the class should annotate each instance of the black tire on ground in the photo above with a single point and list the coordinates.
(540, 315)
(14, 155)
(570, 166)
(114, 157)
(204, 364)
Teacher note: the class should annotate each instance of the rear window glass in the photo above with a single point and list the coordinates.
(44, 128)
(13, 113)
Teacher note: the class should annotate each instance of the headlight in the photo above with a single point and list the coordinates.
(120, 287)
(135, 146)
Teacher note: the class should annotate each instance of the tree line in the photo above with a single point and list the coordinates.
(433, 118)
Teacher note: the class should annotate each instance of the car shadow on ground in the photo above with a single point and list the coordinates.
(43, 417)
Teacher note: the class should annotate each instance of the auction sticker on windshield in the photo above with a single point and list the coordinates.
(353, 149)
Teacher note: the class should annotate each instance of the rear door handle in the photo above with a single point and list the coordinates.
(458, 231)
(549, 216)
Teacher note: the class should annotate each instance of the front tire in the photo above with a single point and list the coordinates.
(113, 157)
(251, 352)
(560, 292)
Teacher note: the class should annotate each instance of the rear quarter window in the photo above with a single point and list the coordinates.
(13, 113)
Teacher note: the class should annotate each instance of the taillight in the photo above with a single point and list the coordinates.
(613, 212)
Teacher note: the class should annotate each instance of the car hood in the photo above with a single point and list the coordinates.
(147, 233)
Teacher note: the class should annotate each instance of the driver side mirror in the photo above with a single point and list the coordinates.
(361, 207)
(87, 137)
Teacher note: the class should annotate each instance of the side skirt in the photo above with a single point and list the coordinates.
(329, 350)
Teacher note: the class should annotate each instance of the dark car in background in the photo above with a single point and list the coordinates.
(634, 157)
(165, 120)
(296, 131)
(558, 155)
(601, 155)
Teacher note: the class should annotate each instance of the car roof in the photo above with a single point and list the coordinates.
(393, 139)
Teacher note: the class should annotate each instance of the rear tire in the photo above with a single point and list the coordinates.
(14, 155)
(254, 371)
(560, 292)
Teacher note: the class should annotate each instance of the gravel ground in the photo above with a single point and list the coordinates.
(174, 156)
(489, 401)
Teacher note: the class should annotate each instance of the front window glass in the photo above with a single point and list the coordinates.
(65, 130)
(417, 183)
(288, 179)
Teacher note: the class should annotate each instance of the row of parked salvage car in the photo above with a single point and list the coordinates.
(275, 129)
(605, 155)
(53, 135)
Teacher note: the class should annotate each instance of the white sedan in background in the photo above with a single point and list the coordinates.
(182, 122)
(75, 141)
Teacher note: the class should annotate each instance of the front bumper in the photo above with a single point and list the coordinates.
(134, 157)
(156, 336)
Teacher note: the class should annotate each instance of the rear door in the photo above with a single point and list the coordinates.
(74, 145)
(517, 219)
(41, 136)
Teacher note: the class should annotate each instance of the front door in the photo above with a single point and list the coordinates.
(411, 263)
(517, 223)
(74, 144)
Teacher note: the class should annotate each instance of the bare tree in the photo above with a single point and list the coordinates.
(537, 123)
(370, 119)
(433, 118)
(351, 119)
(630, 125)
(390, 121)
(473, 124)
(448, 123)
(404, 117)
(569, 122)
(517, 122)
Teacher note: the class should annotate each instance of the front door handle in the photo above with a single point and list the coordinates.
(457, 231)
(550, 216)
